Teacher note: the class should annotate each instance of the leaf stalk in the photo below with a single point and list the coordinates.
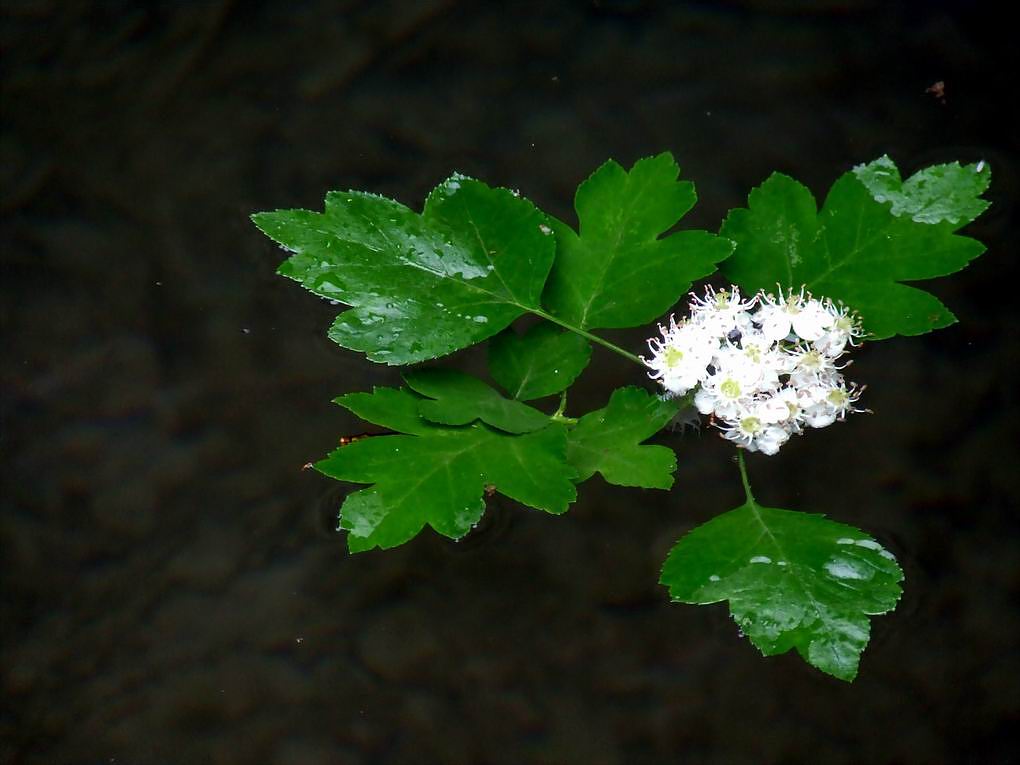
(589, 336)
(743, 478)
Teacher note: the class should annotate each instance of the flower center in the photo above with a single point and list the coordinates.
(750, 425)
(730, 389)
(811, 360)
(837, 397)
(673, 356)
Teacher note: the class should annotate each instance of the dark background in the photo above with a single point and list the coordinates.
(173, 589)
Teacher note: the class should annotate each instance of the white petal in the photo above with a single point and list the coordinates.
(772, 410)
(704, 401)
(811, 323)
(775, 323)
(819, 418)
(832, 343)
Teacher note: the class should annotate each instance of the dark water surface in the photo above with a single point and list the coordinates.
(173, 589)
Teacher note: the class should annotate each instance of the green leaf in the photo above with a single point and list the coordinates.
(461, 399)
(541, 362)
(940, 193)
(856, 250)
(617, 272)
(420, 286)
(608, 441)
(439, 476)
(793, 580)
(392, 408)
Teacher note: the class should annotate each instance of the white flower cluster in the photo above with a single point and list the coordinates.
(764, 367)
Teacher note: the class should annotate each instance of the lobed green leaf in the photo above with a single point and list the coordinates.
(420, 286)
(950, 193)
(617, 272)
(860, 248)
(543, 361)
(608, 441)
(438, 476)
(392, 408)
(459, 399)
(793, 580)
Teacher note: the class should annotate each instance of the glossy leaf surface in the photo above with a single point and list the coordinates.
(856, 250)
(392, 408)
(456, 398)
(543, 361)
(420, 286)
(608, 441)
(438, 476)
(950, 193)
(618, 272)
(793, 580)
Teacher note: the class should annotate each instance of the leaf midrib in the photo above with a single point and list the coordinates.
(440, 465)
(793, 569)
(509, 298)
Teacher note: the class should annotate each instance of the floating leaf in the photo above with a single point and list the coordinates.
(609, 441)
(545, 360)
(438, 477)
(950, 193)
(856, 249)
(617, 272)
(793, 580)
(420, 286)
(461, 399)
(392, 408)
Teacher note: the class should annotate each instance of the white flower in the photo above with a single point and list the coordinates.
(845, 329)
(732, 361)
(804, 316)
(774, 316)
(819, 415)
(731, 387)
(792, 400)
(743, 430)
(775, 410)
(770, 439)
(722, 396)
(721, 312)
(826, 402)
(762, 378)
(750, 432)
(808, 366)
(680, 359)
(812, 321)
(756, 361)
